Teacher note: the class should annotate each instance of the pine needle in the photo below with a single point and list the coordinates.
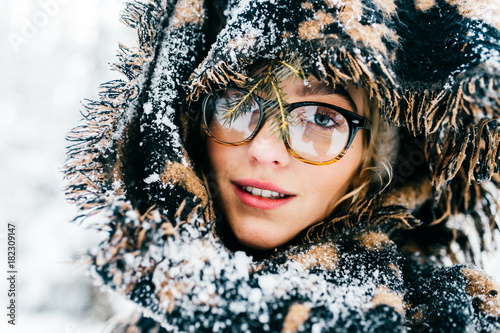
(296, 71)
(243, 100)
(284, 123)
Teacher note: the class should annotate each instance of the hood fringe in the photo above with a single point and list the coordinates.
(213, 78)
(475, 149)
(339, 66)
(343, 66)
(370, 214)
(460, 122)
(90, 155)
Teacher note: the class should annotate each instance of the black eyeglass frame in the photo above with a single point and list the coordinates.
(355, 123)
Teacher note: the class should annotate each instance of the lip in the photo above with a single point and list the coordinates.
(259, 202)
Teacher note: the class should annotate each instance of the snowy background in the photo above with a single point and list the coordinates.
(53, 53)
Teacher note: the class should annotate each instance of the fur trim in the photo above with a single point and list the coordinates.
(93, 168)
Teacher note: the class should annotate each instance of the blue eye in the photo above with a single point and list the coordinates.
(318, 119)
(323, 120)
(326, 119)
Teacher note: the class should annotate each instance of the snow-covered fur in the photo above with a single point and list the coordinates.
(401, 260)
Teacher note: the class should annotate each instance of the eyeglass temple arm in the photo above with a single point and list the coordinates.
(368, 125)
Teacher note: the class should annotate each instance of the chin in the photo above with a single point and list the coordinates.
(259, 244)
(258, 238)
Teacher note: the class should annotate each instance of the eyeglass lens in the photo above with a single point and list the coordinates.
(317, 133)
(232, 116)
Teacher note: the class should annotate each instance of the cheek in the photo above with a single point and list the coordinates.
(333, 180)
(224, 160)
(219, 155)
(214, 154)
(221, 161)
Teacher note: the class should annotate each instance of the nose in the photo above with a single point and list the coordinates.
(268, 148)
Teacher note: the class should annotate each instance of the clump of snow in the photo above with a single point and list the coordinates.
(152, 178)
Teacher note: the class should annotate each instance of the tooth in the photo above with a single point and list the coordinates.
(282, 195)
(257, 192)
(275, 194)
(266, 193)
(249, 189)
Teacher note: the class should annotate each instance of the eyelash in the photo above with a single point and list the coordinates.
(303, 118)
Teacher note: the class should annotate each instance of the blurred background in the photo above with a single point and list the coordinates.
(53, 54)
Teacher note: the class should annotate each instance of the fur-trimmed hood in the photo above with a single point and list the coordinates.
(434, 69)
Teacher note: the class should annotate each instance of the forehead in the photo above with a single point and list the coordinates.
(313, 89)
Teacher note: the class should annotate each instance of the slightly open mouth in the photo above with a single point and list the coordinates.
(263, 193)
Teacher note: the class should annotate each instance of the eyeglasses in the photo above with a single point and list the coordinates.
(317, 133)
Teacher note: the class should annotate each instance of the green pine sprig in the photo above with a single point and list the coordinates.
(268, 90)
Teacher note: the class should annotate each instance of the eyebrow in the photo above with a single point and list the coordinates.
(316, 88)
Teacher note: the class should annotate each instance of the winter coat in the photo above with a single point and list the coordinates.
(403, 260)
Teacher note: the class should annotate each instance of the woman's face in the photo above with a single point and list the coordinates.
(261, 222)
